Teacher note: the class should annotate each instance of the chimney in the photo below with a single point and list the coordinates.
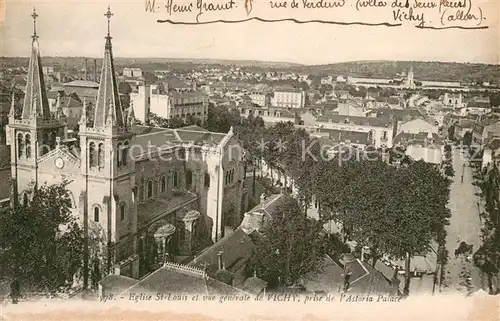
(193, 85)
(85, 69)
(219, 260)
(95, 70)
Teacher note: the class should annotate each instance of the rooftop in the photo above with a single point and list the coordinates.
(187, 94)
(175, 278)
(385, 121)
(148, 211)
(165, 138)
(422, 139)
(237, 249)
(364, 278)
(82, 83)
(175, 83)
(350, 137)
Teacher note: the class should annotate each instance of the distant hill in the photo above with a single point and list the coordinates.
(148, 63)
(423, 70)
(225, 62)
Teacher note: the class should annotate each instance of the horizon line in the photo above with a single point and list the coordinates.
(296, 64)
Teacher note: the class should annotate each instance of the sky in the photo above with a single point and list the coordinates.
(78, 28)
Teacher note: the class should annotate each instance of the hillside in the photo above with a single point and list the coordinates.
(443, 71)
(148, 64)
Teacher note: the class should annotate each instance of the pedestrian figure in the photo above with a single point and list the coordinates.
(347, 276)
(15, 291)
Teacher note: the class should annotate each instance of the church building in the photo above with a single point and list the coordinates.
(153, 194)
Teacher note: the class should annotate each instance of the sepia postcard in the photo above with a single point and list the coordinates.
(250, 160)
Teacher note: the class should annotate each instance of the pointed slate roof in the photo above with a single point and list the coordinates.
(108, 110)
(35, 99)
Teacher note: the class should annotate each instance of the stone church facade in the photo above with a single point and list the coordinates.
(154, 194)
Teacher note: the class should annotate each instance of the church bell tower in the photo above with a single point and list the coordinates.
(33, 131)
(106, 163)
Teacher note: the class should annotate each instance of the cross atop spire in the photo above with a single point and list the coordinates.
(34, 16)
(108, 15)
(35, 98)
(108, 110)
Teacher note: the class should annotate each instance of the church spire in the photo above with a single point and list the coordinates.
(108, 111)
(35, 99)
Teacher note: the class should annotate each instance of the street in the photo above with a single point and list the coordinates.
(465, 225)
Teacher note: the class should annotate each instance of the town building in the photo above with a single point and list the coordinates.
(260, 98)
(455, 100)
(152, 193)
(85, 89)
(327, 80)
(476, 106)
(288, 98)
(353, 107)
(428, 147)
(132, 72)
(170, 281)
(416, 126)
(71, 106)
(382, 128)
(364, 278)
(339, 140)
(169, 99)
(491, 153)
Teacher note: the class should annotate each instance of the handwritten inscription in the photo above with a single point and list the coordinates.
(321, 4)
(204, 6)
(434, 14)
(174, 7)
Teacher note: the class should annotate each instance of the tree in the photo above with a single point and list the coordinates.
(417, 214)
(467, 141)
(250, 132)
(487, 258)
(220, 119)
(451, 132)
(289, 247)
(448, 171)
(41, 242)
(174, 122)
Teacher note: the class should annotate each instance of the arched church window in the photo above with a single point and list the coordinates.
(119, 155)
(20, 145)
(96, 214)
(25, 199)
(100, 155)
(45, 143)
(122, 212)
(142, 189)
(176, 180)
(163, 184)
(53, 137)
(207, 180)
(27, 142)
(125, 153)
(150, 189)
(92, 155)
(189, 178)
